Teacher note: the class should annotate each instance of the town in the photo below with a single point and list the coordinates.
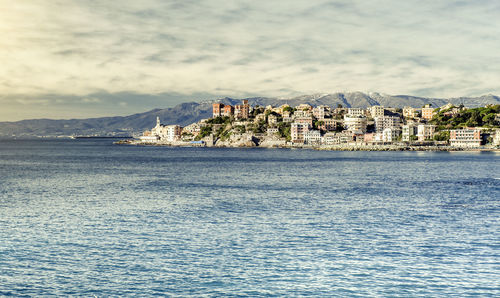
(375, 128)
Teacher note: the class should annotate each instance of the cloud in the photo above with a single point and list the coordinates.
(91, 100)
(32, 101)
(268, 48)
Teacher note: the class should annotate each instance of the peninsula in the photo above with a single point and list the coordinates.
(448, 127)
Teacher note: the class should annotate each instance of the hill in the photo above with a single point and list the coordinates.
(186, 113)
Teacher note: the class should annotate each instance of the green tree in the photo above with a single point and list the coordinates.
(442, 136)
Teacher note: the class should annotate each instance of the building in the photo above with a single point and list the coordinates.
(302, 113)
(304, 107)
(425, 132)
(283, 107)
(329, 124)
(427, 112)
(354, 123)
(307, 119)
(321, 111)
(193, 129)
(312, 137)
(242, 111)
(390, 135)
(169, 133)
(298, 130)
(383, 122)
(356, 112)
(272, 119)
(496, 138)
(409, 130)
(228, 111)
(409, 112)
(377, 111)
(217, 109)
(260, 118)
(272, 130)
(147, 137)
(465, 138)
(336, 138)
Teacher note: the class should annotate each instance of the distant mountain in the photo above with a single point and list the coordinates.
(186, 113)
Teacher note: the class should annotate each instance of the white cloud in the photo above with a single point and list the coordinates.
(270, 48)
(31, 101)
(91, 100)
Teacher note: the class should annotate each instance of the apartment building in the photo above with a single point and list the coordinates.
(298, 130)
(409, 130)
(377, 111)
(355, 123)
(425, 132)
(465, 137)
(383, 122)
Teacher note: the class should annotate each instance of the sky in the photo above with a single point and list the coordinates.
(92, 58)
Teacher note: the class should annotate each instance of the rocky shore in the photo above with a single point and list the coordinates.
(267, 143)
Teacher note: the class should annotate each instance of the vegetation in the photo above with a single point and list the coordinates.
(240, 128)
(204, 132)
(256, 111)
(219, 120)
(260, 127)
(482, 117)
(442, 136)
(284, 130)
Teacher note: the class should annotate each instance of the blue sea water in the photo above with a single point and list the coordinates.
(85, 217)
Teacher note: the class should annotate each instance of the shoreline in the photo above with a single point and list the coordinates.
(344, 147)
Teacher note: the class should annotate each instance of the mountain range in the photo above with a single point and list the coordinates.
(187, 113)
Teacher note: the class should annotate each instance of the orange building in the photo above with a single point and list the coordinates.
(329, 124)
(217, 109)
(228, 110)
(427, 113)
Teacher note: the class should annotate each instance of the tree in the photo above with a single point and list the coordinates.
(442, 136)
(204, 131)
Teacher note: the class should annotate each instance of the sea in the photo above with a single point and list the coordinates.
(86, 217)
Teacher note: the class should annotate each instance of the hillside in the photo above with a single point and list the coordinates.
(186, 113)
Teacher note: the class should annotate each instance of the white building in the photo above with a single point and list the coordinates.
(409, 112)
(496, 138)
(193, 129)
(425, 132)
(149, 138)
(354, 123)
(377, 111)
(312, 137)
(272, 130)
(272, 119)
(169, 133)
(321, 111)
(465, 138)
(390, 135)
(356, 112)
(409, 130)
(383, 122)
(335, 138)
(302, 113)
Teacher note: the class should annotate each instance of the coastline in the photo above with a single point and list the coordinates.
(343, 147)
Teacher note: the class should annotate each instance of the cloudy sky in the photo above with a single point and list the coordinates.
(71, 58)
